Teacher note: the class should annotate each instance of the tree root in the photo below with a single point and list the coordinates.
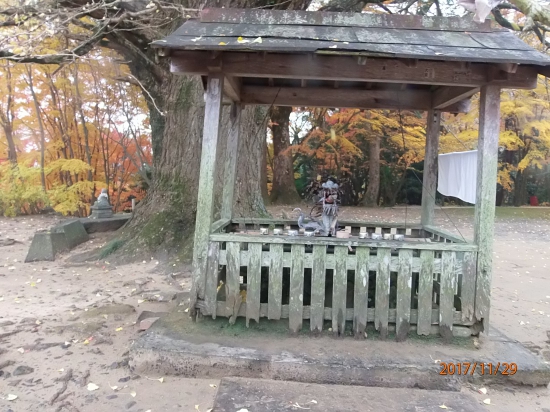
(65, 379)
(84, 379)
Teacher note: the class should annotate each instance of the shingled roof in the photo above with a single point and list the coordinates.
(373, 35)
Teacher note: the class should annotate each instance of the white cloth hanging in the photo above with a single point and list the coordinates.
(458, 175)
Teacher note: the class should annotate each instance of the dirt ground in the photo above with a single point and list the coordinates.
(60, 350)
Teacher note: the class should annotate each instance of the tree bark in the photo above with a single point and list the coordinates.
(283, 190)
(371, 196)
(6, 119)
(520, 188)
(40, 127)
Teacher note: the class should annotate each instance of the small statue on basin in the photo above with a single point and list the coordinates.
(102, 208)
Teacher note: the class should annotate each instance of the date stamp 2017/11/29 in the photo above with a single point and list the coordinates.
(465, 368)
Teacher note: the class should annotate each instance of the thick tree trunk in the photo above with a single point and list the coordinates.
(371, 196)
(164, 220)
(520, 188)
(12, 153)
(6, 119)
(40, 127)
(283, 190)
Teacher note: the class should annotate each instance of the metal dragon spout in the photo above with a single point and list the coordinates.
(326, 209)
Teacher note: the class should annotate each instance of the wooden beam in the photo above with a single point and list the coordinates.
(447, 96)
(345, 68)
(231, 154)
(232, 88)
(489, 129)
(329, 97)
(205, 202)
(429, 183)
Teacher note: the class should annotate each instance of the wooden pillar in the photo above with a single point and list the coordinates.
(429, 183)
(231, 162)
(205, 201)
(487, 165)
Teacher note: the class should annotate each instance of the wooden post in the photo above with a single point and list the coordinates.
(231, 162)
(487, 165)
(214, 93)
(429, 184)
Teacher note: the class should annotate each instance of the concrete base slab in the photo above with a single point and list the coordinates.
(213, 349)
(260, 395)
(74, 232)
(106, 224)
(46, 245)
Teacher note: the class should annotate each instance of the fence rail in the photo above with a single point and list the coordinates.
(341, 280)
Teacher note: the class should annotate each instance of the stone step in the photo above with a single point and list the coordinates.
(260, 395)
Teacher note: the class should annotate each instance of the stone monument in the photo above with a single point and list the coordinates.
(102, 208)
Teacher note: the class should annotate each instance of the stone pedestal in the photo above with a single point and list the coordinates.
(101, 212)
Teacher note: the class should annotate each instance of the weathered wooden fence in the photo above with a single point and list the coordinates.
(429, 284)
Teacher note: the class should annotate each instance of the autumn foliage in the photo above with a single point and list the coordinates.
(69, 131)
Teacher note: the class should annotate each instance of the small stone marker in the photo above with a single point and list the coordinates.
(147, 323)
(102, 208)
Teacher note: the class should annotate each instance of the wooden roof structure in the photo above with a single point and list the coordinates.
(296, 58)
(299, 58)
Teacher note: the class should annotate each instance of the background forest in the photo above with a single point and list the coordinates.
(69, 131)
(86, 104)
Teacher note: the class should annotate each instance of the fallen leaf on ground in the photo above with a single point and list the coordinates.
(92, 387)
(483, 391)
(487, 401)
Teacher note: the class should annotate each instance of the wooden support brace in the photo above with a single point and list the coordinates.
(447, 96)
(205, 202)
(489, 128)
(232, 88)
(429, 183)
